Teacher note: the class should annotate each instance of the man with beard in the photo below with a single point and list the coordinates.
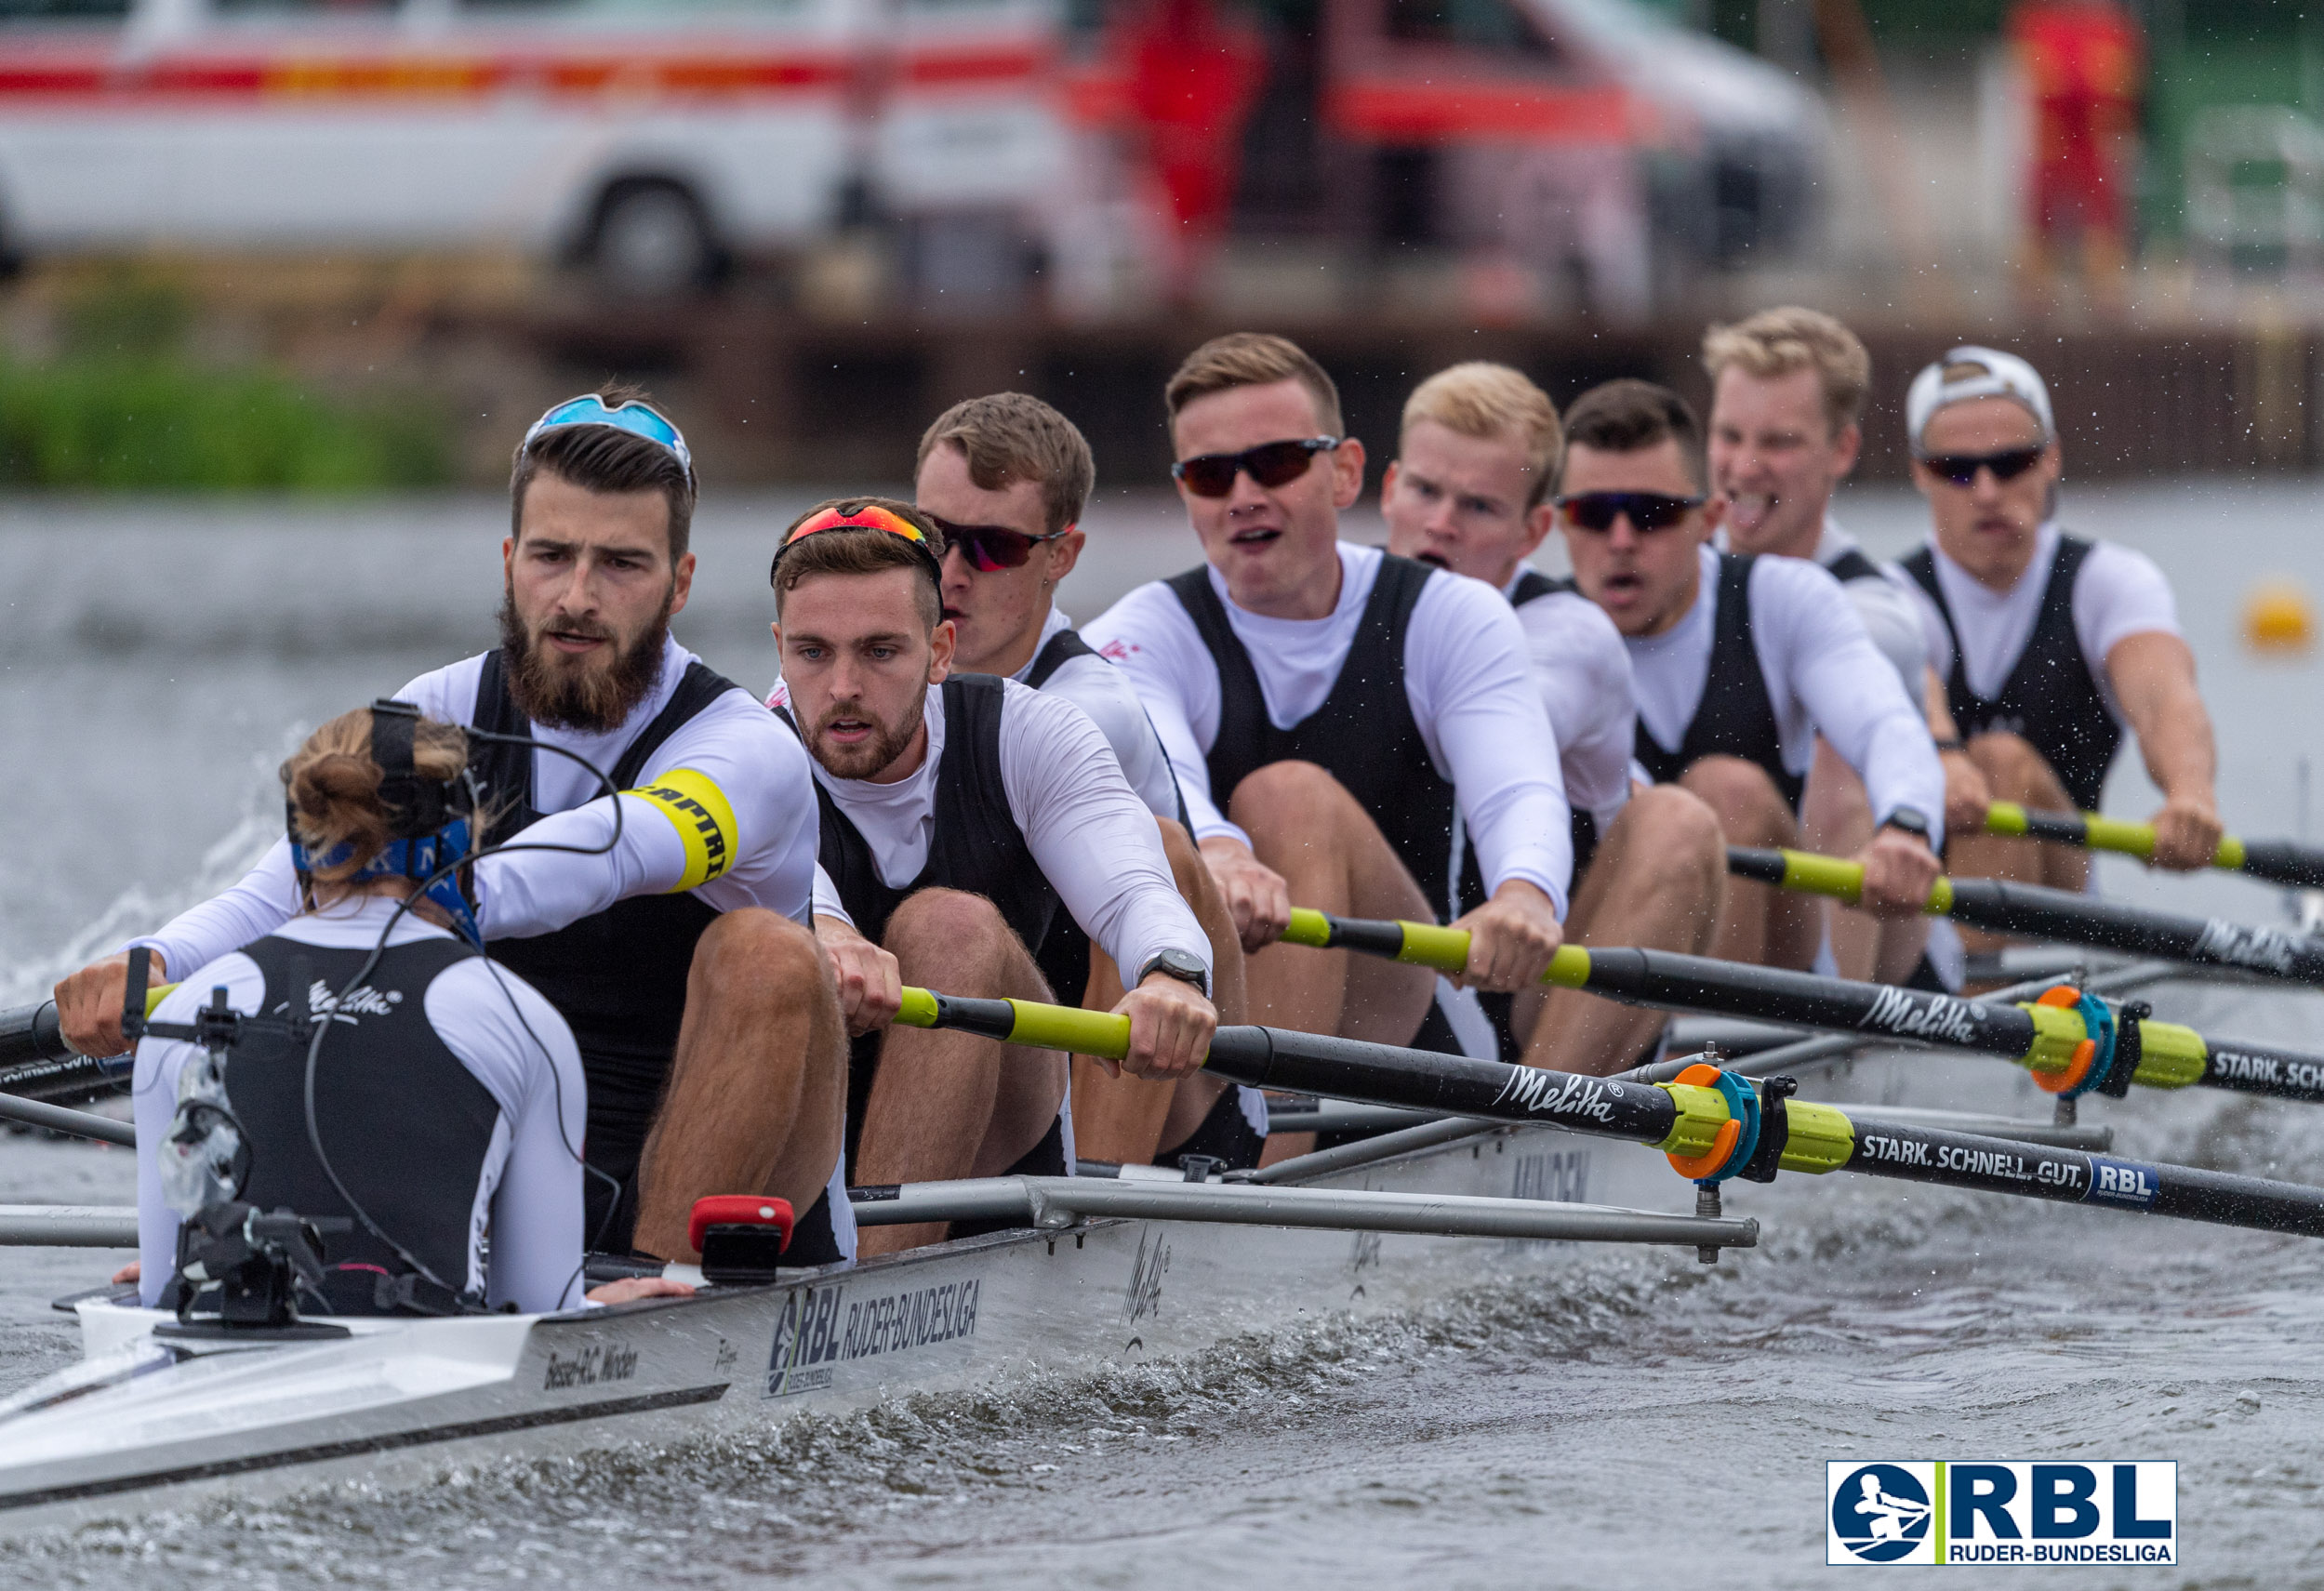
(955, 822)
(1740, 662)
(1006, 478)
(668, 924)
(1468, 491)
(1787, 395)
(1342, 705)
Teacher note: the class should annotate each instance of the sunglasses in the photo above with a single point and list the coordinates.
(1961, 467)
(633, 418)
(1645, 511)
(1270, 464)
(869, 517)
(989, 548)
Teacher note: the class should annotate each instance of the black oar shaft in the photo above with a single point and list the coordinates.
(2280, 862)
(30, 1033)
(35, 1062)
(2005, 907)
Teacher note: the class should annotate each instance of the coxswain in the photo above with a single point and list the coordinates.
(1006, 478)
(1342, 706)
(2048, 643)
(1789, 388)
(959, 813)
(448, 1097)
(1739, 663)
(1468, 491)
(669, 924)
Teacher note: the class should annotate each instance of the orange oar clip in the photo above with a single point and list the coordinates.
(2067, 996)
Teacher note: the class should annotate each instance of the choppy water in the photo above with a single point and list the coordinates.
(1628, 1420)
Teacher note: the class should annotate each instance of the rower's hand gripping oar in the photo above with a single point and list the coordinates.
(36, 1062)
(1712, 1124)
(2074, 1042)
(2001, 907)
(2277, 861)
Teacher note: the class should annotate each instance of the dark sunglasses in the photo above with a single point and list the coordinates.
(1271, 464)
(991, 546)
(1961, 467)
(1645, 511)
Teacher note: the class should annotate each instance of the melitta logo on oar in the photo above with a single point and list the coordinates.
(1925, 1511)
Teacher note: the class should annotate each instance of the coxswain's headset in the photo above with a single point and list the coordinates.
(430, 826)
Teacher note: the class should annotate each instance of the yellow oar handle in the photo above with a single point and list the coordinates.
(2097, 831)
(155, 995)
(1809, 873)
(1099, 1033)
(1424, 944)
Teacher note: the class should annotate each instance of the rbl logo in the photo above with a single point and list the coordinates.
(1941, 1511)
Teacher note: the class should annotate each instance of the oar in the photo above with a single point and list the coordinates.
(35, 1062)
(2036, 913)
(2073, 1042)
(2277, 861)
(1712, 1124)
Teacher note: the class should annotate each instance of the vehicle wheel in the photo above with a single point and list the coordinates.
(652, 240)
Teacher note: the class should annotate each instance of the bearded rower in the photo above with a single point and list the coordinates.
(1789, 388)
(1341, 704)
(1006, 478)
(2048, 644)
(1739, 663)
(1468, 491)
(669, 924)
(955, 822)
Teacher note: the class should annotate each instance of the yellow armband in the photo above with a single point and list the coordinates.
(697, 809)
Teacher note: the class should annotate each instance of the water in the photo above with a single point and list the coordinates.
(1610, 1425)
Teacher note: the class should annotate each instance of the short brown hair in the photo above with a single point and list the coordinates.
(332, 786)
(606, 458)
(1008, 437)
(1487, 402)
(847, 550)
(1630, 415)
(1252, 359)
(1776, 342)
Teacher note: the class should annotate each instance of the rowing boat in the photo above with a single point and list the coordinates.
(1141, 1265)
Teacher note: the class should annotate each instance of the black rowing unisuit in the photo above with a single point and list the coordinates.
(1734, 717)
(406, 1125)
(2050, 698)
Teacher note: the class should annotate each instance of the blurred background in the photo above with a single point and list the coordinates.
(344, 244)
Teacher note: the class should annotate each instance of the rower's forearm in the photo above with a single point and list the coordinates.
(2179, 750)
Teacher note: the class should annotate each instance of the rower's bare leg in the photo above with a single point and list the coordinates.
(2015, 773)
(1836, 818)
(1304, 825)
(1128, 1119)
(758, 1087)
(951, 1105)
(1758, 923)
(1657, 880)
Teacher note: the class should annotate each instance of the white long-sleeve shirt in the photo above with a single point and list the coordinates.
(529, 1192)
(1584, 674)
(1467, 675)
(1105, 693)
(734, 743)
(1094, 838)
(1824, 676)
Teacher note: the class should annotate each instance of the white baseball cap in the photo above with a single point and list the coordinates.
(1971, 372)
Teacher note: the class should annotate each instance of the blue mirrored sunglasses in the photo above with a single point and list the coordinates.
(633, 418)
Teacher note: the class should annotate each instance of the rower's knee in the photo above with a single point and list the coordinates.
(1749, 809)
(2015, 772)
(1291, 799)
(940, 930)
(1675, 835)
(754, 950)
(1186, 862)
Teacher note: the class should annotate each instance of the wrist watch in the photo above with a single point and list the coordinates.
(1910, 820)
(1177, 964)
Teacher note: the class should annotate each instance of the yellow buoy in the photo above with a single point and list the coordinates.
(2278, 618)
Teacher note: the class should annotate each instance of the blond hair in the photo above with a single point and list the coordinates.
(1008, 437)
(332, 786)
(1488, 402)
(1776, 342)
(1252, 359)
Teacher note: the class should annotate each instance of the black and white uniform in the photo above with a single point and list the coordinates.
(1019, 799)
(1583, 671)
(1065, 664)
(1770, 656)
(448, 1096)
(716, 815)
(1890, 616)
(2032, 660)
